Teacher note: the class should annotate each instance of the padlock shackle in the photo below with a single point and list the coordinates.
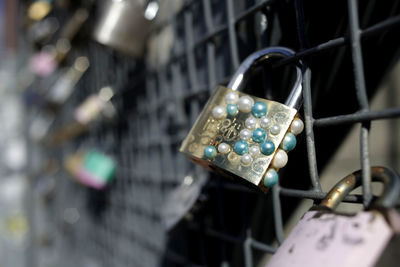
(295, 99)
(388, 199)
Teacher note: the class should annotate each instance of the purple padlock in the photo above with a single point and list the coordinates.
(330, 239)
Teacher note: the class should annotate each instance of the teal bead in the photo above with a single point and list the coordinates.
(271, 178)
(289, 142)
(259, 109)
(259, 135)
(232, 109)
(267, 147)
(210, 152)
(241, 147)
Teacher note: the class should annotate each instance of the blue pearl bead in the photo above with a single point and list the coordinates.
(241, 147)
(259, 109)
(232, 109)
(289, 142)
(267, 147)
(271, 178)
(259, 135)
(210, 152)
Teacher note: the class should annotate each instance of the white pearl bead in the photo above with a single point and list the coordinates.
(223, 148)
(280, 159)
(254, 150)
(275, 129)
(231, 98)
(265, 122)
(245, 104)
(245, 134)
(297, 126)
(246, 159)
(218, 112)
(250, 123)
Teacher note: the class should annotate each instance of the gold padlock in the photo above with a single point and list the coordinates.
(238, 135)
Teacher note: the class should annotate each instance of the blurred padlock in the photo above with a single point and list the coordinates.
(238, 135)
(39, 9)
(93, 168)
(47, 60)
(327, 238)
(125, 24)
(65, 85)
(95, 108)
(55, 98)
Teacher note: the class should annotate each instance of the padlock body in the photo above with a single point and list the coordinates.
(329, 239)
(211, 131)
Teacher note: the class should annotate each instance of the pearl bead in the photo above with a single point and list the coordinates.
(232, 109)
(275, 129)
(246, 159)
(289, 142)
(280, 159)
(259, 109)
(265, 122)
(250, 123)
(218, 112)
(259, 135)
(254, 150)
(231, 98)
(210, 152)
(245, 134)
(223, 148)
(271, 178)
(297, 126)
(245, 104)
(241, 147)
(267, 147)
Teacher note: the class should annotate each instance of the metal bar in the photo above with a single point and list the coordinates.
(358, 117)
(248, 257)
(311, 194)
(262, 247)
(232, 34)
(212, 79)
(301, 29)
(362, 97)
(223, 236)
(308, 119)
(189, 51)
(221, 218)
(179, 259)
(381, 26)
(276, 204)
(340, 41)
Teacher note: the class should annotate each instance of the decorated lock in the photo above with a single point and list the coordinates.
(239, 135)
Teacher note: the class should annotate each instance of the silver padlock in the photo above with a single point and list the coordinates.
(330, 239)
(125, 24)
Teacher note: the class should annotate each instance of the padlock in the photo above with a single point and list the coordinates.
(238, 135)
(95, 108)
(91, 168)
(327, 238)
(125, 24)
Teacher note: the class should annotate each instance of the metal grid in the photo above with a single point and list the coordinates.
(158, 104)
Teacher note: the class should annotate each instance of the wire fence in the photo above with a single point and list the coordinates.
(195, 48)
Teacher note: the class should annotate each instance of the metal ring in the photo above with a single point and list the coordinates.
(388, 199)
(295, 98)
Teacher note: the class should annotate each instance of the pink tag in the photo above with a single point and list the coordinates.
(90, 179)
(329, 240)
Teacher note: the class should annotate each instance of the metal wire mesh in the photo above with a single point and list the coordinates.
(158, 101)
